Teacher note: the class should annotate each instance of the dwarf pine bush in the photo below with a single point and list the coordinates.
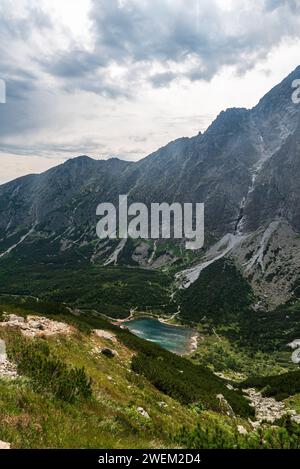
(48, 373)
(217, 435)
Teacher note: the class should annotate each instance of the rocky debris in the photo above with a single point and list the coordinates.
(7, 369)
(163, 260)
(294, 416)
(255, 424)
(268, 409)
(224, 405)
(270, 260)
(36, 326)
(242, 430)
(141, 254)
(108, 352)
(104, 334)
(15, 318)
(143, 413)
(4, 445)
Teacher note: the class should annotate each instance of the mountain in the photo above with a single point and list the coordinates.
(245, 168)
(85, 380)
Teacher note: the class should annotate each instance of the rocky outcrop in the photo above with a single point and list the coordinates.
(224, 405)
(270, 260)
(143, 412)
(36, 326)
(102, 334)
(7, 369)
(242, 430)
(4, 445)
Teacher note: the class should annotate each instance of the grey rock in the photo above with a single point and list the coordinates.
(143, 412)
(4, 445)
(15, 318)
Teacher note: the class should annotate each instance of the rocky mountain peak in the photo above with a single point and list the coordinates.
(245, 168)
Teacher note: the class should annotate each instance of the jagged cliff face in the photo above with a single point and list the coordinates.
(245, 168)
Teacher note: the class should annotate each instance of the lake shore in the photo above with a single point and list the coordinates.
(192, 342)
(136, 315)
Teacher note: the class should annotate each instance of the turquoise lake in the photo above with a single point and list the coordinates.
(173, 338)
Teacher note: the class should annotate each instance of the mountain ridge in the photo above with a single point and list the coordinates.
(244, 169)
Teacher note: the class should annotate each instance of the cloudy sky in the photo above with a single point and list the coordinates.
(124, 77)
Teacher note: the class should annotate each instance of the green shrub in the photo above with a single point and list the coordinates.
(220, 294)
(179, 378)
(217, 435)
(48, 373)
(278, 386)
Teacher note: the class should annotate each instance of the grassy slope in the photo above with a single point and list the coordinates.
(110, 419)
(35, 418)
(31, 418)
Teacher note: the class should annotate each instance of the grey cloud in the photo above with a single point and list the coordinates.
(28, 107)
(152, 43)
(21, 27)
(50, 150)
(272, 5)
(162, 79)
(20, 88)
(72, 65)
(21, 112)
(139, 35)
